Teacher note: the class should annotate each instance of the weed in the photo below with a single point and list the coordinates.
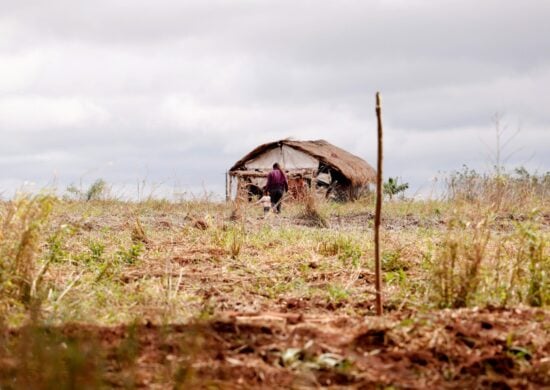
(337, 293)
(230, 239)
(56, 252)
(21, 235)
(527, 245)
(458, 265)
(130, 255)
(96, 251)
(138, 233)
(475, 264)
(235, 245)
(392, 261)
(347, 250)
(397, 276)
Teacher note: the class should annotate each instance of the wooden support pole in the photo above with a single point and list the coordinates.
(377, 217)
(230, 186)
(227, 187)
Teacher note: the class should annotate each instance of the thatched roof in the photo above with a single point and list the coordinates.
(354, 168)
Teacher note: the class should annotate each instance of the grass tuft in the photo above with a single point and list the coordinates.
(311, 214)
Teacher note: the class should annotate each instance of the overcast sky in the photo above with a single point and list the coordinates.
(174, 92)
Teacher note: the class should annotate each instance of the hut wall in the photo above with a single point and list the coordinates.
(297, 188)
(288, 157)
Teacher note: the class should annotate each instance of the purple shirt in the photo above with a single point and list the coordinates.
(276, 180)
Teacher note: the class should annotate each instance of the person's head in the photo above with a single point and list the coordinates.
(277, 166)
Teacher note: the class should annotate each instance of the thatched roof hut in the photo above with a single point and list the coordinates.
(314, 164)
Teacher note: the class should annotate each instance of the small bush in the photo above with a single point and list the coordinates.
(98, 190)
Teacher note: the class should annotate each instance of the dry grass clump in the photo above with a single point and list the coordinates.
(236, 211)
(505, 191)
(458, 265)
(475, 264)
(138, 233)
(21, 235)
(311, 214)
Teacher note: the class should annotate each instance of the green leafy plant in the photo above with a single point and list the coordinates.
(392, 187)
(130, 255)
(56, 252)
(337, 293)
(96, 251)
(392, 261)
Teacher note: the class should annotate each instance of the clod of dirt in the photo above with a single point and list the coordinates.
(200, 224)
(295, 303)
(164, 224)
(263, 321)
(373, 339)
(498, 364)
(88, 226)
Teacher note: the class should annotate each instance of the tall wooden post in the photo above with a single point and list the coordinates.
(377, 217)
(230, 186)
(227, 186)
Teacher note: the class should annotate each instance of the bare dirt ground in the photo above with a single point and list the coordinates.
(497, 349)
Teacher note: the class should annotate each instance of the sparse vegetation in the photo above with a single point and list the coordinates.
(236, 281)
(98, 190)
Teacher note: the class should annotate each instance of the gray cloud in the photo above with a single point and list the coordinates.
(177, 91)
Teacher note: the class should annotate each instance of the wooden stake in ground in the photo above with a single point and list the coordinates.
(377, 267)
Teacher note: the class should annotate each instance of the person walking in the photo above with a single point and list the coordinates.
(276, 185)
(265, 201)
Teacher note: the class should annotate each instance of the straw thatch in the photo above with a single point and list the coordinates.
(353, 168)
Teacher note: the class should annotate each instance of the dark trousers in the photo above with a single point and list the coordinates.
(276, 197)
